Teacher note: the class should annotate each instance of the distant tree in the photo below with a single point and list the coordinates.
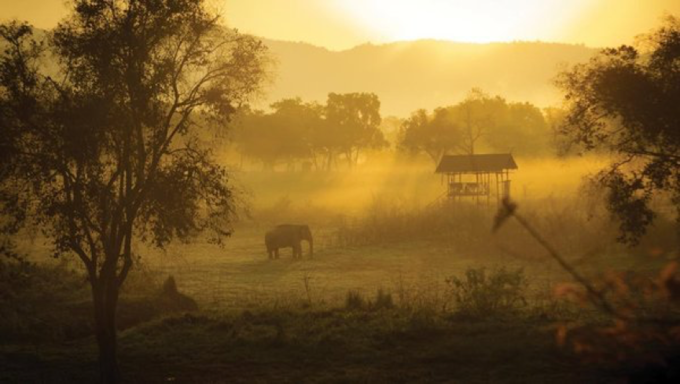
(558, 142)
(106, 152)
(519, 128)
(297, 131)
(479, 121)
(476, 115)
(297, 122)
(435, 135)
(628, 104)
(353, 123)
(255, 137)
(287, 134)
(391, 127)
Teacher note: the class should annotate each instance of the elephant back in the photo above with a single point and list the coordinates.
(286, 234)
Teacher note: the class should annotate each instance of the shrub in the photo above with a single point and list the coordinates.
(383, 300)
(354, 301)
(479, 293)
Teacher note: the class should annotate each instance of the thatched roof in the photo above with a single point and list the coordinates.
(476, 163)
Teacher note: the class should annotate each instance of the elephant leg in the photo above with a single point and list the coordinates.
(276, 253)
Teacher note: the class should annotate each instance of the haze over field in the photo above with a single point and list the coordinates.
(422, 74)
(415, 55)
(329, 191)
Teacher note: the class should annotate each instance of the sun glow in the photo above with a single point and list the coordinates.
(475, 21)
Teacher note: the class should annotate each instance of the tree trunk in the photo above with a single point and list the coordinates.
(105, 295)
(329, 162)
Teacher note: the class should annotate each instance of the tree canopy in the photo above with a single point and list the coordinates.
(106, 151)
(478, 122)
(298, 131)
(625, 101)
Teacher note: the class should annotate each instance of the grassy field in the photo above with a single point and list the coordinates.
(240, 276)
(316, 346)
(288, 320)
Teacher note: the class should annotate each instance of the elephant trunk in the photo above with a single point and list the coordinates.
(311, 247)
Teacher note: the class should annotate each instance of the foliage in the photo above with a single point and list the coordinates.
(625, 101)
(642, 326)
(480, 294)
(355, 301)
(42, 303)
(107, 150)
(353, 123)
(287, 134)
(479, 121)
(638, 316)
(33, 301)
(298, 131)
(435, 135)
(293, 345)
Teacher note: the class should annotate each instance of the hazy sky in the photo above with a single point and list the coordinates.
(339, 24)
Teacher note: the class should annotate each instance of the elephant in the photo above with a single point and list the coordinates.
(288, 235)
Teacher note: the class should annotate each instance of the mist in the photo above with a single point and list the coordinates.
(183, 201)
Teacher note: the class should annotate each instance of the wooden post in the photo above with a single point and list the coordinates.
(487, 190)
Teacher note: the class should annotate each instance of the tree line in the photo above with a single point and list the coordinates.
(479, 122)
(350, 125)
(320, 135)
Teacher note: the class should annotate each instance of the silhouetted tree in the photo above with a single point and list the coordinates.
(106, 151)
(255, 138)
(555, 118)
(477, 114)
(296, 130)
(479, 121)
(628, 103)
(288, 134)
(297, 123)
(518, 128)
(353, 122)
(435, 135)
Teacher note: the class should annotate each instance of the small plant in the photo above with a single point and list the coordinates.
(306, 281)
(639, 320)
(383, 300)
(355, 301)
(479, 293)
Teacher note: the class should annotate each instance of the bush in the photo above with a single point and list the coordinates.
(383, 300)
(479, 293)
(387, 220)
(41, 302)
(354, 301)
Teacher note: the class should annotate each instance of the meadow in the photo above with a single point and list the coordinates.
(376, 302)
(386, 227)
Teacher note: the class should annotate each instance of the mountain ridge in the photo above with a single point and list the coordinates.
(427, 73)
(409, 75)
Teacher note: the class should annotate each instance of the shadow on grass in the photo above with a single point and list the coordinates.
(386, 345)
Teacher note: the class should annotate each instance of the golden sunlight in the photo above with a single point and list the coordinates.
(476, 21)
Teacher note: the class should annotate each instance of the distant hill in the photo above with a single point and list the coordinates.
(422, 74)
(419, 74)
